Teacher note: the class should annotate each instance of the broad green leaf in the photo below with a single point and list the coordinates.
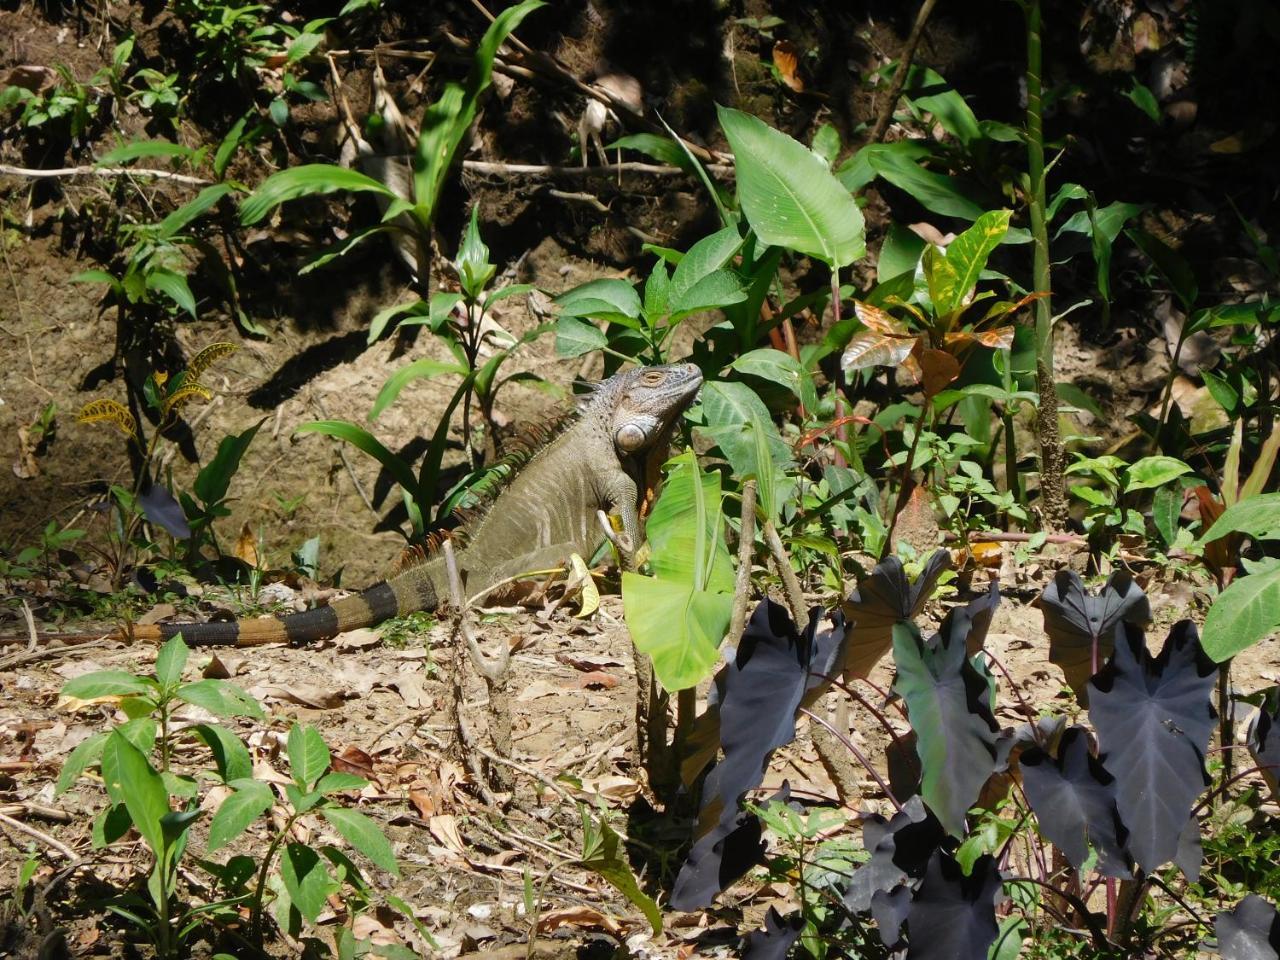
(946, 105)
(955, 275)
(602, 853)
(1166, 510)
(86, 753)
(363, 835)
(703, 259)
(342, 248)
(686, 529)
(899, 253)
(251, 799)
(307, 879)
(146, 148)
(780, 367)
(576, 337)
(213, 480)
(308, 755)
(174, 286)
(662, 149)
(229, 755)
(307, 180)
(387, 314)
(936, 192)
(220, 698)
(1244, 613)
(419, 369)
(1170, 263)
(789, 195)
(129, 779)
(205, 200)
(170, 661)
(106, 683)
(679, 627)
(858, 170)
(728, 410)
(1154, 472)
(715, 291)
(363, 440)
(614, 301)
(336, 780)
(1257, 517)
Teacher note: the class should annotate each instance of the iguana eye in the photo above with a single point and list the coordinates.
(629, 437)
(653, 378)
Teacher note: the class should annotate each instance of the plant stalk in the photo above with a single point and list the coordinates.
(1053, 502)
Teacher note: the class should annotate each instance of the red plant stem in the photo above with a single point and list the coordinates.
(861, 757)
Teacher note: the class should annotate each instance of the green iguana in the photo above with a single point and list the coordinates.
(604, 459)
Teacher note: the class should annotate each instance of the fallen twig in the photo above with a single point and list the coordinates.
(52, 843)
(908, 53)
(92, 171)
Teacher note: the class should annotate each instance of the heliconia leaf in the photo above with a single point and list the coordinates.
(1250, 931)
(881, 600)
(873, 349)
(1154, 718)
(1263, 738)
(950, 711)
(953, 916)
(1074, 799)
(789, 195)
(775, 940)
(1076, 622)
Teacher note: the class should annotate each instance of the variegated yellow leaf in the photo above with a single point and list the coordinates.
(109, 411)
(188, 392)
(207, 358)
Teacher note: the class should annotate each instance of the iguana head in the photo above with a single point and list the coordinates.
(647, 402)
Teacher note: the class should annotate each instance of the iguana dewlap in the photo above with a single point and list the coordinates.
(547, 512)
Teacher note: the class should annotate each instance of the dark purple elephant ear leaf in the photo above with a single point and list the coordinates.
(760, 693)
(1076, 621)
(900, 849)
(1154, 717)
(889, 909)
(948, 703)
(1075, 802)
(1264, 739)
(953, 917)
(1249, 932)
(773, 942)
(881, 600)
(159, 506)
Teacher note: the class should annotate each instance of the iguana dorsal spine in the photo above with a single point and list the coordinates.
(547, 512)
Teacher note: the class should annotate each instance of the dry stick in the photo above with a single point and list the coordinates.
(91, 171)
(795, 596)
(746, 547)
(493, 671)
(34, 834)
(1016, 536)
(900, 75)
(552, 170)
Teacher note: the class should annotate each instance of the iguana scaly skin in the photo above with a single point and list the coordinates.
(600, 461)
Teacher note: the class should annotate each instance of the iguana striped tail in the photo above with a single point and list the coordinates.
(407, 592)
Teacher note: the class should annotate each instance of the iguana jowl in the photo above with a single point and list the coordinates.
(603, 460)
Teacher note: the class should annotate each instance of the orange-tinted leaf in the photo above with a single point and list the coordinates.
(872, 349)
(986, 553)
(247, 545)
(909, 307)
(998, 338)
(939, 368)
(786, 59)
(912, 365)
(879, 320)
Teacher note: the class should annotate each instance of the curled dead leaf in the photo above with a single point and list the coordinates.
(787, 61)
(584, 917)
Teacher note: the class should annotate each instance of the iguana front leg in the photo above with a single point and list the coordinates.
(622, 499)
